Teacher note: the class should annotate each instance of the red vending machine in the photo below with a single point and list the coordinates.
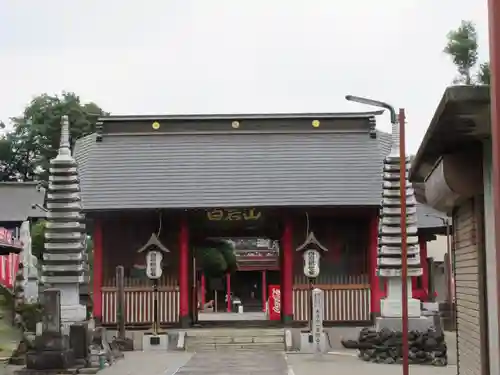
(274, 302)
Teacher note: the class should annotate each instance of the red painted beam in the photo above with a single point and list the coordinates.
(97, 269)
(228, 291)
(494, 29)
(264, 290)
(184, 274)
(376, 293)
(287, 272)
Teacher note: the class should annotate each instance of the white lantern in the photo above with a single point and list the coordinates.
(311, 263)
(153, 264)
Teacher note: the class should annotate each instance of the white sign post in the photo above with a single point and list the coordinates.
(317, 318)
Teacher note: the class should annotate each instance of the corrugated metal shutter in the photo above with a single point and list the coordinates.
(467, 260)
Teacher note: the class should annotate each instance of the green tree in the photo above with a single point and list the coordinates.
(35, 137)
(8, 164)
(484, 73)
(462, 47)
(38, 238)
(216, 257)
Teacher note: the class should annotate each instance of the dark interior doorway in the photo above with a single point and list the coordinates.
(248, 287)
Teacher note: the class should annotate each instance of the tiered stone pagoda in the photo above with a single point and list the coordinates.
(64, 262)
(389, 246)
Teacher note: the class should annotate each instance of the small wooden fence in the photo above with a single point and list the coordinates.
(343, 303)
(139, 305)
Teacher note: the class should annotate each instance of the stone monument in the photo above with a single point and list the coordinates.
(30, 263)
(64, 265)
(52, 349)
(389, 242)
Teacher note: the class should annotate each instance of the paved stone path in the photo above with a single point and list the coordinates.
(346, 364)
(235, 363)
(210, 363)
(253, 363)
(148, 363)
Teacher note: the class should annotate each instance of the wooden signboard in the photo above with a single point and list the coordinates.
(230, 214)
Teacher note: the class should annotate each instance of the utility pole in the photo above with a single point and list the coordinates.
(494, 28)
(404, 239)
(398, 127)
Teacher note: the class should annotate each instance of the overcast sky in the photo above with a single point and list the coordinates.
(233, 56)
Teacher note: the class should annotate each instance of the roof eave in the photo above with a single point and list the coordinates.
(237, 116)
(452, 95)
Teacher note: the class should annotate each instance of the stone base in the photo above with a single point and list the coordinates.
(185, 321)
(124, 344)
(152, 342)
(51, 341)
(31, 290)
(50, 359)
(393, 308)
(308, 346)
(73, 314)
(80, 339)
(421, 324)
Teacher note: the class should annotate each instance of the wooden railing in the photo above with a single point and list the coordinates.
(130, 282)
(343, 302)
(139, 305)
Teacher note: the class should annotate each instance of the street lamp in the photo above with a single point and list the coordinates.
(375, 103)
(403, 212)
(449, 264)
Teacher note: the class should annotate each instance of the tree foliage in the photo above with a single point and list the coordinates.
(462, 47)
(38, 238)
(216, 258)
(25, 152)
(484, 73)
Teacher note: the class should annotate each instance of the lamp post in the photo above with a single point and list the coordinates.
(404, 242)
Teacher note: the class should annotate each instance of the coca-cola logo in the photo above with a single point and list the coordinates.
(276, 300)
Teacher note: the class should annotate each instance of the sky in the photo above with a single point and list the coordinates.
(228, 56)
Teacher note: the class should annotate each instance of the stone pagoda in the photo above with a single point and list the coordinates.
(389, 242)
(64, 261)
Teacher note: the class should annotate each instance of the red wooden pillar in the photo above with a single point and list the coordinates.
(97, 270)
(287, 273)
(425, 268)
(264, 290)
(184, 274)
(8, 268)
(375, 291)
(228, 291)
(202, 291)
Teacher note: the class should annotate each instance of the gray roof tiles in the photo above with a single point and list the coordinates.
(17, 200)
(128, 171)
(224, 170)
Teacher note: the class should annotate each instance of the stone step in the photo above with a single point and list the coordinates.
(235, 347)
(224, 332)
(236, 339)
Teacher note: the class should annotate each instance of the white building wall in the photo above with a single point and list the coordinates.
(437, 249)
